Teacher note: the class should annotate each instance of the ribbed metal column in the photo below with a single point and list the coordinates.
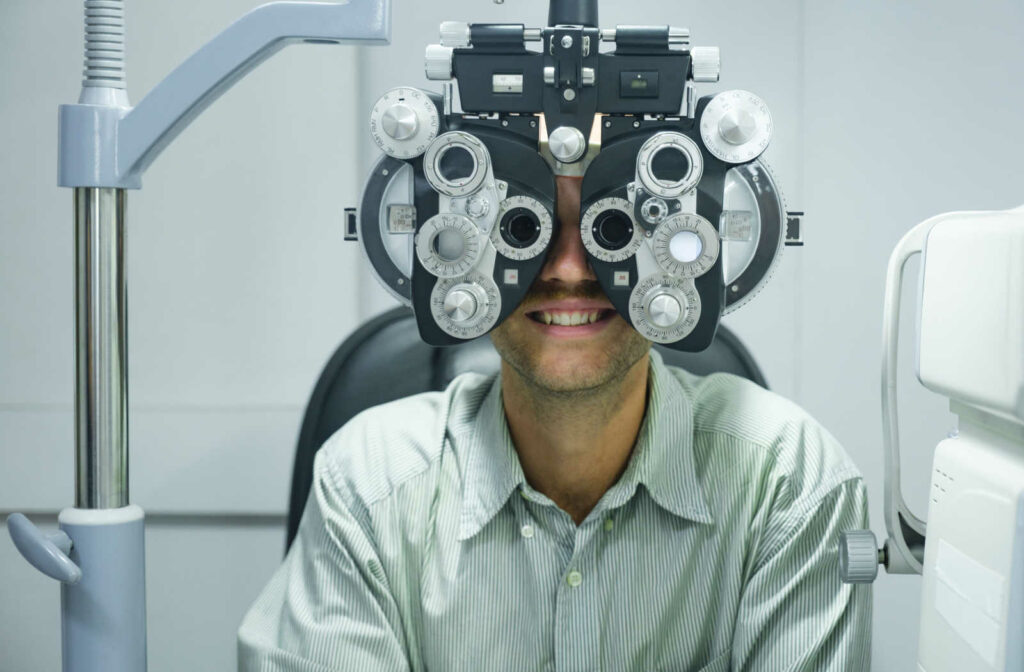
(101, 332)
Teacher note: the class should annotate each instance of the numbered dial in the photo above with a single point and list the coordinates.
(524, 228)
(466, 307)
(608, 230)
(664, 309)
(686, 245)
(736, 126)
(448, 245)
(403, 122)
(669, 164)
(456, 164)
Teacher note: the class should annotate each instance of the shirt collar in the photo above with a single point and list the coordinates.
(492, 470)
(662, 460)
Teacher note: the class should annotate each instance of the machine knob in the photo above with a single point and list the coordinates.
(707, 63)
(455, 34)
(477, 206)
(737, 126)
(400, 122)
(858, 556)
(567, 144)
(439, 62)
(463, 302)
(664, 310)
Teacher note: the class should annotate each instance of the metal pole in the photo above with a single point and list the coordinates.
(101, 331)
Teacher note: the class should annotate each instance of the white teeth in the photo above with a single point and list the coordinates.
(569, 319)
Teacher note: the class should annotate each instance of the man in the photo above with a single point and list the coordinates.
(588, 509)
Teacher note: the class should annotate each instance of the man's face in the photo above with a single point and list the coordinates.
(566, 336)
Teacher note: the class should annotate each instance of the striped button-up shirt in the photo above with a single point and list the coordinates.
(423, 547)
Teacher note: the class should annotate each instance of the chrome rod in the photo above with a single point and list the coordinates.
(101, 355)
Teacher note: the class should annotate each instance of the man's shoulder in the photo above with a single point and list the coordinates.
(391, 445)
(765, 429)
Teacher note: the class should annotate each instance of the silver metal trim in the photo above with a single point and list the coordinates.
(587, 230)
(544, 219)
(480, 323)
(729, 104)
(649, 289)
(432, 228)
(437, 149)
(669, 140)
(710, 245)
(428, 122)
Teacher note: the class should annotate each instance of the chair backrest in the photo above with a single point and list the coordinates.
(385, 360)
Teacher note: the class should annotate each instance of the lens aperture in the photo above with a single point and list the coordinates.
(613, 229)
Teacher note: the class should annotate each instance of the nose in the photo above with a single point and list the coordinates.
(567, 259)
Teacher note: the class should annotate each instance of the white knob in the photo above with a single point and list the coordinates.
(567, 144)
(460, 305)
(707, 63)
(858, 556)
(664, 310)
(455, 34)
(400, 122)
(439, 62)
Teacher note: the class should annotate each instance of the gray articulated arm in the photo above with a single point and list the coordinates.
(111, 146)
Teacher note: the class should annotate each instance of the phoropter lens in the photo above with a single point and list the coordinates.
(456, 164)
(520, 228)
(669, 165)
(613, 229)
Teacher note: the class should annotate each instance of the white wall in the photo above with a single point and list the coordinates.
(240, 285)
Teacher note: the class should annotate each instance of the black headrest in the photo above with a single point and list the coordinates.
(385, 360)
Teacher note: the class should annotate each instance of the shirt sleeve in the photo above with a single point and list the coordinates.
(796, 614)
(329, 606)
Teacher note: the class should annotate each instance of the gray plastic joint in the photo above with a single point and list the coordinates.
(46, 552)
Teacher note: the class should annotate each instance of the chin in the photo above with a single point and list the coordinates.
(565, 367)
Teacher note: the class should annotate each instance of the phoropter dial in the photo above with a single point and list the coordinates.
(456, 164)
(403, 122)
(448, 245)
(466, 307)
(686, 245)
(664, 308)
(736, 126)
(608, 230)
(524, 228)
(669, 164)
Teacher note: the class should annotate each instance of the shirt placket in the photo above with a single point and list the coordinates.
(577, 602)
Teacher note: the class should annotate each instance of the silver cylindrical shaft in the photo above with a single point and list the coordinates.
(101, 356)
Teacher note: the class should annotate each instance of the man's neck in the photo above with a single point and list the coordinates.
(574, 446)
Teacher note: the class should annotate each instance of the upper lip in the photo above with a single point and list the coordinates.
(570, 306)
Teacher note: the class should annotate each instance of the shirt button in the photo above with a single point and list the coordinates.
(608, 524)
(574, 578)
(526, 531)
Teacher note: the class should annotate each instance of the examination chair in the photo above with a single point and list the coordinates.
(385, 360)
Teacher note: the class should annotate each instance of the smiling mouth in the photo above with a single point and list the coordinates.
(567, 318)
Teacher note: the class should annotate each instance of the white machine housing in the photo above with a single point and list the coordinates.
(970, 332)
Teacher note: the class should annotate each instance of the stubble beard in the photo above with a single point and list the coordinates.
(517, 352)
